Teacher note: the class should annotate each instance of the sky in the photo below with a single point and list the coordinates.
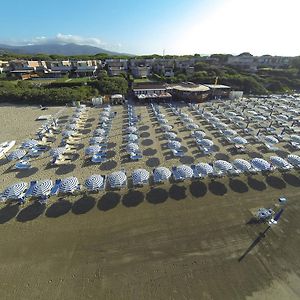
(157, 26)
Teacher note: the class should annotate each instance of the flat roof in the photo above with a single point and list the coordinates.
(217, 86)
(191, 88)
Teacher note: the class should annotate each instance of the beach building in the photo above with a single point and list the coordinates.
(219, 91)
(84, 68)
(151, 91)
(190, 91)
(115, 67)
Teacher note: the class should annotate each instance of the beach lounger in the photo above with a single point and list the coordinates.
(196, 174)
(28, 192)
(177, 153)
(23, 165)
(135, 156)
(55, 189)
(99, 158)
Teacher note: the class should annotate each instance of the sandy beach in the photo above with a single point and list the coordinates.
(191, 240)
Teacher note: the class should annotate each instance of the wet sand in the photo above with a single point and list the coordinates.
(191, 240)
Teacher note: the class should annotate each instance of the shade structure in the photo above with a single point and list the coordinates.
(91, 150)
(17, 154)
(132, 147)
(105, 114)
(242, 165)
(68, 133)
(192, 126)
(214, 120)
(42, 188)
(282, 118)
(94, 182)
(279, 162)
(174, 144)
(185, 115)
(96, 140)
(99, 132)
(131, 129)
(259, 118)
(140, 176)
(187, 120)
(55, 152)
(170, 135)
(238, 140)
(238, 118)
(117, 178)
(208, 114)
(204, 169)
(184, 171)
(206, 143)
(107, 108)
(28, 144)
(76, 115)
(229, 132)
(104, 119)
(160, 115)
(221, 125)
(199, 134)
(71, 126)
(163, 121)
(294, 160)
(231, 114)
(270, 139)
(69, 185)
(15, 190)
(260, 164)
(252, 112)
(295, 138)
(132, 137)
(166, 127)
(222, 165)
(74, 120)
(161, 173)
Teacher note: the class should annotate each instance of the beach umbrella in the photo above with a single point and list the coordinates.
(270, 139)
(160, 116)
(71, 126)
(259, 118)
(14, 191)
(221, 125)
(162, 173)
(104, 119)
(16, 154)
(279, 162)
(260, 164)
(140, 175)
(170, 135)
(28, 144)
(132, 147)
(185, 115)
(116, 178)
(208, 115)
(213, 120)
(205, 143)
(199, 134)
(94, 182)
(295, 138)
(105, 114)
(99, 132)
(68, 133)
(42, 188)
(231, 114)
(76, 115)
(68, 185)
(174, 144)
(229, 132)
(187, 120)
(74, 120)
(238, 118)
(131, 129)
(132, 137)
(283, 118)
(184, 171)
(242, 164)
(252, 112)
(192, 126)
(96, 140)
(55, 152)
(91, 150)
(222, 165)
(294, 160)
(163, 121)
(166, 127)
(204, 168)
(238, 140)
(107, 108)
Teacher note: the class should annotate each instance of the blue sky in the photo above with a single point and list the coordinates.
(150, 26)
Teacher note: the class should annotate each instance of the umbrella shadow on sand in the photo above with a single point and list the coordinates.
(8, 212)
(133, 198)
(275, 182)
(198, 189)
(157, 196)
(177, 192)
(255, 243)
(217, 188)
(256, 184)
(291, 179)
(26, 173)
(108, 201)
(238, 186)
(83, 205)
(31, 212)
(59, 208)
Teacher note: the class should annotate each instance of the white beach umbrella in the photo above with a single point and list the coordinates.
(132, 137)
(187, 120)
(259, 118)
(242, 164)
(238, 118)
(91, 150)
(99, 132)
(295, 138)
(161, 173)
(132, 147)
(14, 191)
(192, 126)
(160, 115)
(117, 178)
(199, 134)
(68, 133)
(222, 165)
(163, 121)
(96, 140)
(139, 175)
(221, 125)
(16, 154)
(174, 144)
(208, 114)
(231, 114)
(105, 114)
(279, 162)
(42, 188)
(166, 127)
(170, 135)
(94, 182)
(238, 140)
(184, 171)
(229, 132)
(213, 120)
(270, 139)
(104, 119)
(131, 129)
(282, 118)
(28, 144)
(71, 126)
(260, 164)
(55, 152)
(69, 185)
(185, 115)
(204, 169)
(294, 160)
(206, 142)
